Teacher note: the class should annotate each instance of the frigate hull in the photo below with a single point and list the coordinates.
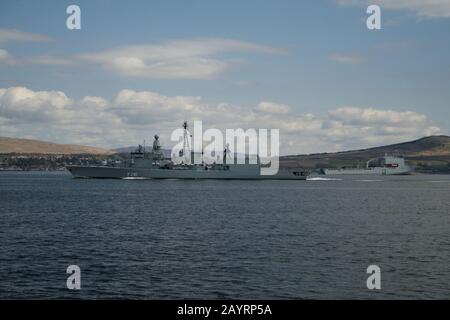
(234, 172)
(370, 171)
(237, 174)
(100, 172)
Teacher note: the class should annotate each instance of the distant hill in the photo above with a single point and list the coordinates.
(426, 154)
(124, 149)
(431, 153)
(28, 146)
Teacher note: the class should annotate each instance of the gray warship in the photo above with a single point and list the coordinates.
(153, 165)
(387, 165)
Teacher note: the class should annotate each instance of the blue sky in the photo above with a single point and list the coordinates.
(340, 81)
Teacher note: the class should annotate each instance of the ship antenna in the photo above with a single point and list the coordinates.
(225, 153)
(186, 147)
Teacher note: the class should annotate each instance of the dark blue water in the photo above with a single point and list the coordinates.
(224, 239)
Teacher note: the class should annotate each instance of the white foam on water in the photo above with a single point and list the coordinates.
(323, 179)
(135, 178)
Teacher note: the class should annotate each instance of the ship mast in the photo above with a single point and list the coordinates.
(186, 146)
(226, 151)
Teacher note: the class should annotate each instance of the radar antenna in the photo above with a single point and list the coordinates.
(156, 144)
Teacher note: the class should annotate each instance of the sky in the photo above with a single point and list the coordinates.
(311, 69)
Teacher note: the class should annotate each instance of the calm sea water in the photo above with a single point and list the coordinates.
(224, 239)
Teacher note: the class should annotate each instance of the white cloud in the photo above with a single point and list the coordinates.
(133, 116)
(371, 116)
(202, 58)
(47, 60)
(5, 57)
(16, 35)
(3, 54)
(422, 8)
(182, 59)
(38, 106)
(351, 58)
(8, 58)
(150, 107)
(271, 107)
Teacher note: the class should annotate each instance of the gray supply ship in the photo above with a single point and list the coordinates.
(153, 165)
(387, 165)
